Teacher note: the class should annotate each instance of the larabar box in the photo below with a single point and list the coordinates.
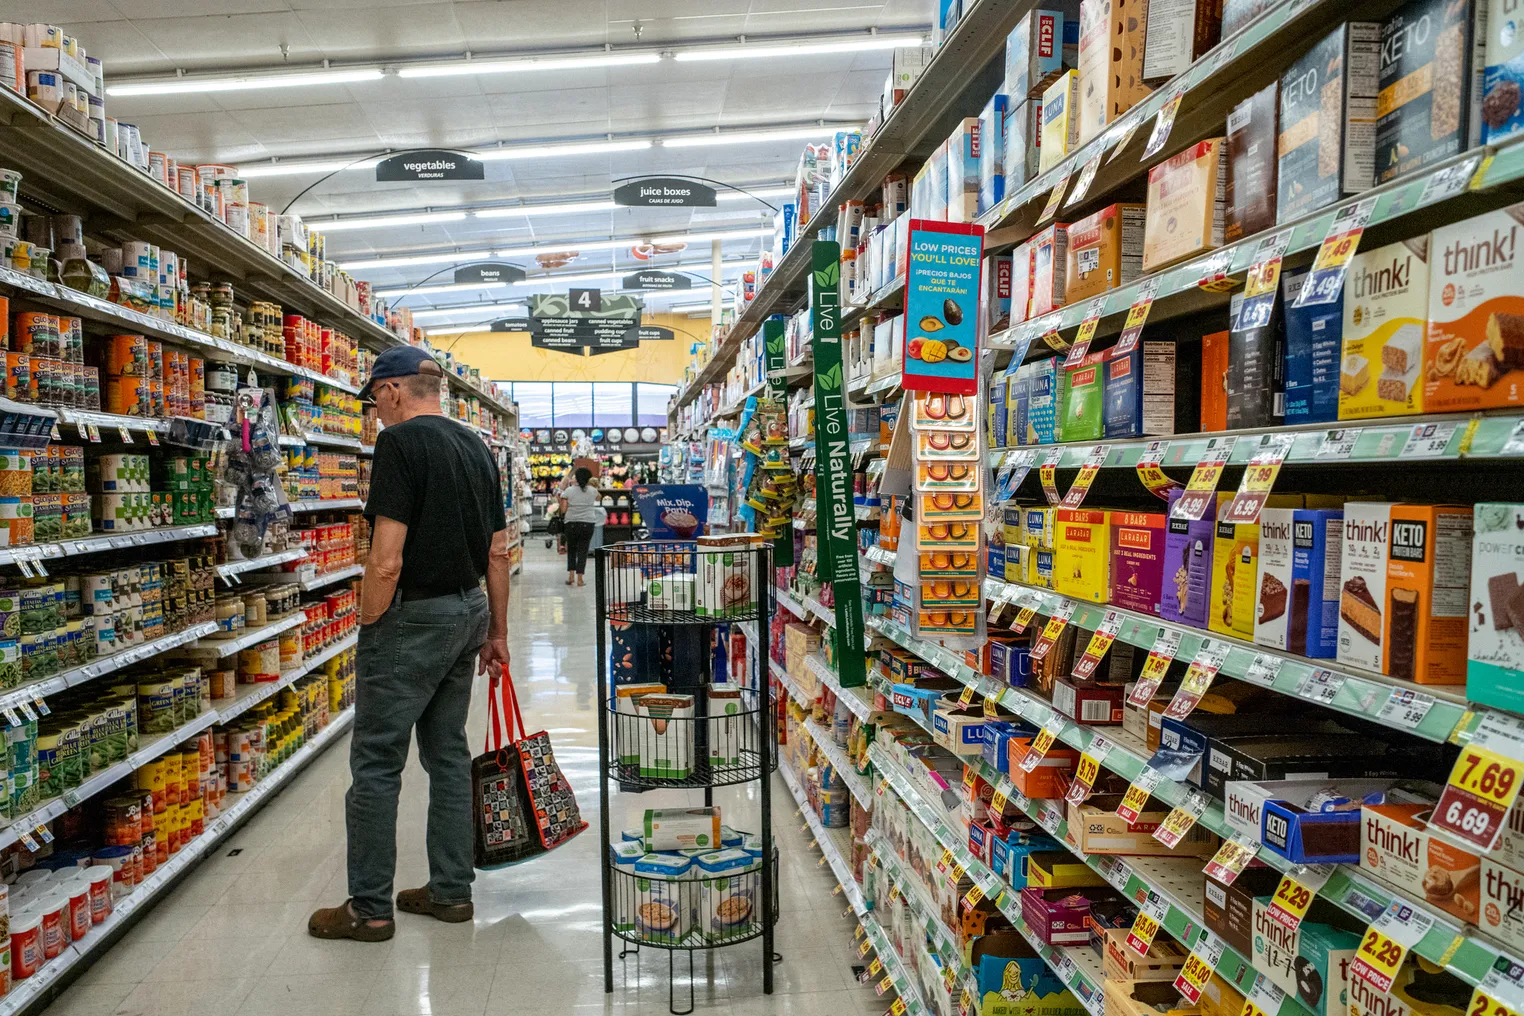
(1082, 554)
(1398, 849)
(1474, 353)
(1404, 588)
(1081, 394)
(1186, 200)
(1105, 251)
(1137, 560)
(1386, 297)
(1111, 43)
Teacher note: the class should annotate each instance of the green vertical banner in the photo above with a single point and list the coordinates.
(836, 524)
(777, 389)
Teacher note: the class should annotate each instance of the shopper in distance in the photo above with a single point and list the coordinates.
(438, 529)
(582, 514)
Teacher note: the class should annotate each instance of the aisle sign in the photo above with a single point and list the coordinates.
(1136, 798)
(1048, 473)
(942, 284)
(1200, 490)
(429, 164)
(836, 526)
(664, 192)
(1088, 471)
(1137, 316)
(1166, 644)
(1325, 281)
(1386, 942)
(1259, 477)
(1149, 473)
(1484, 783)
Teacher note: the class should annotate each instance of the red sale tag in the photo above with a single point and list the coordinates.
(1137, 316)
(1201, 489)
(1047, 472)
(1136, 798)
(1231, 859)
(1259, 477)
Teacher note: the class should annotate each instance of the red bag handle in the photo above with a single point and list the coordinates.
(503, 705)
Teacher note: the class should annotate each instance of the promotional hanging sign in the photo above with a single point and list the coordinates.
(774, 343)
(653, 279)
(663, 192)
(510, 324)
(673, 511)
(836, 524)
(429, 164)
(488, 272)
(655, 333)
(942, 287)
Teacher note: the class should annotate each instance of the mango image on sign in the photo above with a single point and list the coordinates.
(933, 350)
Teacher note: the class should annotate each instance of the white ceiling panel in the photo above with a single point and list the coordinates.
(533, 24)
(142, 10)
(221, 43)
(384, 31)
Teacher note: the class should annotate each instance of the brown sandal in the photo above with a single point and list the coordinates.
(417, 901)
(341, 922)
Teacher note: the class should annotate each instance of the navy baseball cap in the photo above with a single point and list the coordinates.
(400, 361)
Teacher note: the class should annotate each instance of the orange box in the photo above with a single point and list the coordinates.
(1105, 251)
(1214, 382)
(1474, 350)
(1110, 61)
(1050, 778)
(1428, 585)
(1187, 198)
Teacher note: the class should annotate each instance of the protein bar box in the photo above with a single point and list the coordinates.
(1503, 76)
(1137, 560)
(1312, 354)
(1297, 607)
(1327, 135)
(1495, 648)
(1256, 369)
(1474, 352)
(1251, 165)
(1105, 251)
(1178, 32)
(1188, 547)
(1385, 312)
(1110, 61)
(1150, 390)
(1431, 68)
(1043, 43)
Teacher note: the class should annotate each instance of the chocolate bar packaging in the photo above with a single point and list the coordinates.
(1327, 117)
(1080, 393)
(1188, 549)
(1313, 339)
(1404, 583)
(1111, 47)
(1186, 200)
(1105, 251)
(1137, 560)
(1178, 32)
(1502, 114)
(1380, 364)
(1495, 648)
(1250, 193)
(1256, 370)
(1431, 79)
(1297, 596)
(1043, 43)
(1474, 350)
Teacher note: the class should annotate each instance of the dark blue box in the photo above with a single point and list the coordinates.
(1313, 338)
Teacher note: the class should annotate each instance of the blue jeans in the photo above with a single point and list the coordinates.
(414, 669)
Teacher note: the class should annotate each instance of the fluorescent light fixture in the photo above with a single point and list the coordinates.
(754, 193)
(381, 221)
(499, 310)
(503, 154)
(443, 287)
(520, 65)
(679, 308)
(729, 234)
(530, 211)
(750, 137)
(546, 247)
(802, 48)
(245, 82)
(540, 280)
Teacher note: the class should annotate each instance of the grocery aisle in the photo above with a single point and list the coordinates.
(232, 937)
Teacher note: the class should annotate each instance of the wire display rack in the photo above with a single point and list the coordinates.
(684, 709)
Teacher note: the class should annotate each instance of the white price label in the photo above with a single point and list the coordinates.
(1338, 444)
(1117, 873)
(1321, 686)
(1406, 708)
(1263, 670)
(1428, 440)
(1447, 183)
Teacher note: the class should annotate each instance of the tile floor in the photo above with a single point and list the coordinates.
(231, 939)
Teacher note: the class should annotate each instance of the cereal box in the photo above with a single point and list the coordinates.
(1137, 560)
(1503, 76)
(1105, 251)
(1474, 353)
(1250, 189)
(1495, 648)
(1050, 256)
(1082, 554)
(1326, 144)
(1186, 196)
(1080, 397)
(1060, 121)
(1385, 309)
(1110, 61)
(1431, 67)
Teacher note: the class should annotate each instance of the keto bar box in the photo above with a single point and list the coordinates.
(1385, 297)
(1404, 584)
(1429, 106)
(1312, 354)
(1251, 165)
(1327, 124)
(1105, 251)
(1188, 549)
(1297, 607)
(1474, 352)
(1137, 560)
(1495, 648)
(1150, 391)
(1178, 32)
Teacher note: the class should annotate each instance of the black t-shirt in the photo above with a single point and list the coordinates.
(437, 478)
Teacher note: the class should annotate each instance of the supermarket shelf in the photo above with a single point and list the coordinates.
(308, 585)
(24, 825)
(837, 756)
(794, 688)
(787, 602)
(90, 308)
(820, 611)
(367, 449)
(1353, 891)
(965, 71)
(863, 445)
(886, 384)
(324, 505)
(313, 437)
(112, 422)
(253, 695)
(890, 298)
(858, 700)
(30, 693)
(1362, 693)
(57, 972)
(1079, 968)
(227, 647)
(227, 571)
(101, 544)
(834, 847)
(1318, 444)
(928, 916)
(865, 512)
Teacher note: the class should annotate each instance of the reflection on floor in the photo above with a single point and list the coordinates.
(231, 939)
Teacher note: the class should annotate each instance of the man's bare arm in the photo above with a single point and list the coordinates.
(383, 569)
(498, 567)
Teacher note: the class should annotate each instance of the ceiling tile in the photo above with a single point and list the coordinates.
(139, 10)
(221, 43)
(384, 32)
(531, 24)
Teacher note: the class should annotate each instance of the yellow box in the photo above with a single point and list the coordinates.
(1040, 567)
(1060, 120)
(1039, 527)
(1082, 555)
(1059, 869)
(1386, 313)
(1235, 567)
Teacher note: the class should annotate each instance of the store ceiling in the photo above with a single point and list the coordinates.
(154, 39)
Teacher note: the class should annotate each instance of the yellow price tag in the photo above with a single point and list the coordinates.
(966, 697)
(885, 984)
(1023, 618)
(999, 801)
(875, 966)
(969, 777)
(965, 1000)
(865, 948)
(1054, 199)
(1482, 787)
(1483, 1004)
(945, 861)
(972, 898)
(860, 932)
(898, 1007)
(1087, 770)
(955, 875)
(991, 707)
(1141, 938)
(1291, 902)
(1193, 978)
(1488, 775)
(1133, 803)
(1250, 1009)
(1378, 959)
